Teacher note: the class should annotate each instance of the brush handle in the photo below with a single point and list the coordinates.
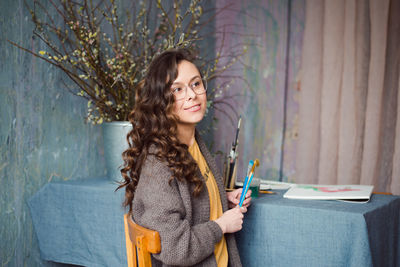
(243, 196)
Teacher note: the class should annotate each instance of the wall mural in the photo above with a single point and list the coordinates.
(268, 106)
(43, 136)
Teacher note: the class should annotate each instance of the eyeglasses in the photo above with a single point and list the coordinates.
(198, 86)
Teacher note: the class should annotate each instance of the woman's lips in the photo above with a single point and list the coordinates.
(194, 108)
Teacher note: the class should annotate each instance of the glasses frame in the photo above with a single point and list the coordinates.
(186, 90)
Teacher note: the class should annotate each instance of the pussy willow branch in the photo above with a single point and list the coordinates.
(103, 66)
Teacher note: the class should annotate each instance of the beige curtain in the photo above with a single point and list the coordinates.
(349, 105)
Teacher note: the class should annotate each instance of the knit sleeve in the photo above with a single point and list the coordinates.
(160, 205)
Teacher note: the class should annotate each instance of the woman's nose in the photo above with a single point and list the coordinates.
(190, 93)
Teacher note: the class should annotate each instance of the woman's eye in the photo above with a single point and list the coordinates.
(196, 84)
(176, 90)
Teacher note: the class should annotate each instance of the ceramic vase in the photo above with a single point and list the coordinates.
(114, 137)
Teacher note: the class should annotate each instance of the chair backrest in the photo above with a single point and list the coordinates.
(140, 242)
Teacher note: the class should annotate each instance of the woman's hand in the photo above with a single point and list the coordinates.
(231, 221)
(234, 198)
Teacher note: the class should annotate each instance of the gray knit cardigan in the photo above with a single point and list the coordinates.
(188, 237)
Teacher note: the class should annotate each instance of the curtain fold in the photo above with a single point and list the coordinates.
(349, 123)
(389, 113)
(332, 70)
(378, 20)
(395, 184)
(307, 152)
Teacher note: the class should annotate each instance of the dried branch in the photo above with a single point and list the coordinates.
(104, 50)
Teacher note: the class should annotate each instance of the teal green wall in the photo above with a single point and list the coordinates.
(43, 136)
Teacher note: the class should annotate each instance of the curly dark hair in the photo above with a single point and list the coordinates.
(154, 125)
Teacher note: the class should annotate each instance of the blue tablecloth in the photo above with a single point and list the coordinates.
(81, 222)
(287, 232)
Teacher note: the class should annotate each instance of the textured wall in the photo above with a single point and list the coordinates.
(269, 107)
(43, 136)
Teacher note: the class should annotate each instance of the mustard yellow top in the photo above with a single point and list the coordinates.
(220, 251)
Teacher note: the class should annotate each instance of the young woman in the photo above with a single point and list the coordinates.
(171, 180)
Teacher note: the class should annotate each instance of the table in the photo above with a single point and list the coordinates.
(286, 232)
(81, 222)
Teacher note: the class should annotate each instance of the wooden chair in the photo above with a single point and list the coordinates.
(140, 242)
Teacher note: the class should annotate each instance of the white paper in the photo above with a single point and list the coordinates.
(329, 192)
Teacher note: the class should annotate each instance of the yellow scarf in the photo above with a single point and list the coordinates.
(220, 251)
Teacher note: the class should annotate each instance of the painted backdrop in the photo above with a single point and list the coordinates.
(43, 136)
(268, 99)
